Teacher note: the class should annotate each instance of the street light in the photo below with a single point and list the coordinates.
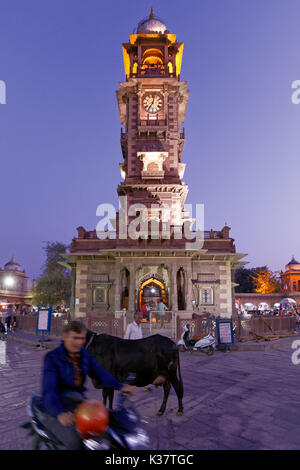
(9, 281)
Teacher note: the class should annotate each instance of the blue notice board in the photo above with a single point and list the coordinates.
(43, 320)
(225, 332)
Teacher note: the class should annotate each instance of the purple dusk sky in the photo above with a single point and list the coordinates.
(60, 150)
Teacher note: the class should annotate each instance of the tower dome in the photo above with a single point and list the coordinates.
(293, 264)
(12, 265)
(151, 25)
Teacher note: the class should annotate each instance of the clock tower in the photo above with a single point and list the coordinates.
(152, 104)
(112, 273)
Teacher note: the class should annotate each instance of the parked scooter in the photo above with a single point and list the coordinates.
(207, 344)
(124, 429)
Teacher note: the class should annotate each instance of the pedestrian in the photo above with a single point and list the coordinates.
(10, 311)
(161, 308)
(144, 311)
(2, 330)
(134, 329)
(14, 324)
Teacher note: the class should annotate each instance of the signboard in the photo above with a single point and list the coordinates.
(225, 332)
(43, 321)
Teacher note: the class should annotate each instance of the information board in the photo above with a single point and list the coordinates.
(43, 323)
(225, 332)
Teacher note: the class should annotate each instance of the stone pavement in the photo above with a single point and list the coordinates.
(234, 400)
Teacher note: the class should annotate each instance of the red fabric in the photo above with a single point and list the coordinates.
(74, 358)
(144, 310)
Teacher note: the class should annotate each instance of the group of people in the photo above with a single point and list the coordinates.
(273, 313)
(8, 320)
(134, 329)
(159, 310)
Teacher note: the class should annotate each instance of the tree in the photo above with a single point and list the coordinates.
(265, 281)
(54, 285)
(244, 277)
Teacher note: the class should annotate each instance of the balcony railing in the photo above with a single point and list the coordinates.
(153, 122)
(153, 174)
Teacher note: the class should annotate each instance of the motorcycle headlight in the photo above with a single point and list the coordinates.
(92, 444)
(140, 440)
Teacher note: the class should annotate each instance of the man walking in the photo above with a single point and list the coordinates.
(10, 312)
(134, 329)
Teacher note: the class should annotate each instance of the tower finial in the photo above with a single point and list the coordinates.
(152, 14)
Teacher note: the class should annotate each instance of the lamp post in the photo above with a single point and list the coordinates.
(9, 282)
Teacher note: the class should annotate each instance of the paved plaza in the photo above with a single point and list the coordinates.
(234, 400)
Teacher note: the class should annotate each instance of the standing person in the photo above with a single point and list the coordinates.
(134, 329)
(2, 330)
(4, 316)
(10, 312)
(64, 373)
(144, 311)
(14, 324)
(148, 310)
(161, 308)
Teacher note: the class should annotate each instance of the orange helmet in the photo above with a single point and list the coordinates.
(91, 418)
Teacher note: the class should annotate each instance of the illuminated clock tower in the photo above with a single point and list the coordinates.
(152, 105)
(113, 273)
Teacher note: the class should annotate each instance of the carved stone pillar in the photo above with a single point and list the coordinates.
(117, 286)
(131, 306)
(173, 270)
(189, 287)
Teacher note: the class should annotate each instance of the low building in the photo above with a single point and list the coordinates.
(290, 279)
(15, 287)
(290, 288)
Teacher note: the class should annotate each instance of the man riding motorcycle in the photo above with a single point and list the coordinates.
(64, 373)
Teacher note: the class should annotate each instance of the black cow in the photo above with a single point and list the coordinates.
(153, 360)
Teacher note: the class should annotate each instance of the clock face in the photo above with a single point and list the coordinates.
(152, 102)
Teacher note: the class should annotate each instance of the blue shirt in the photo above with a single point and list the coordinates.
(58, 377)
(161, 308)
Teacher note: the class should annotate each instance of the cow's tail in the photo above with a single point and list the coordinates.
(179, 371)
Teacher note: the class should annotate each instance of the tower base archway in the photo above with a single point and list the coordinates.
(151, 292)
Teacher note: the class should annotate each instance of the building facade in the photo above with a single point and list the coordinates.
(15, 287)
(124, 270)
(290, 278)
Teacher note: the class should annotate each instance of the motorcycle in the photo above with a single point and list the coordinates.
(124, 429)
(207, 344)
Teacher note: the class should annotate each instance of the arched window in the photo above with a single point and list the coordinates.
(152, 58)
(170, 67)
(134, 68)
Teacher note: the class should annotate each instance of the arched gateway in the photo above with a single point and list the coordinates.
(151, 289)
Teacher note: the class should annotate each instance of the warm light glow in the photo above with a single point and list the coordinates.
(179, 59)
(265, 282)
(126, 62)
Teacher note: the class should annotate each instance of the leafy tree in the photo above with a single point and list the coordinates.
(265, 281)
(54, 285)
(244, 277)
